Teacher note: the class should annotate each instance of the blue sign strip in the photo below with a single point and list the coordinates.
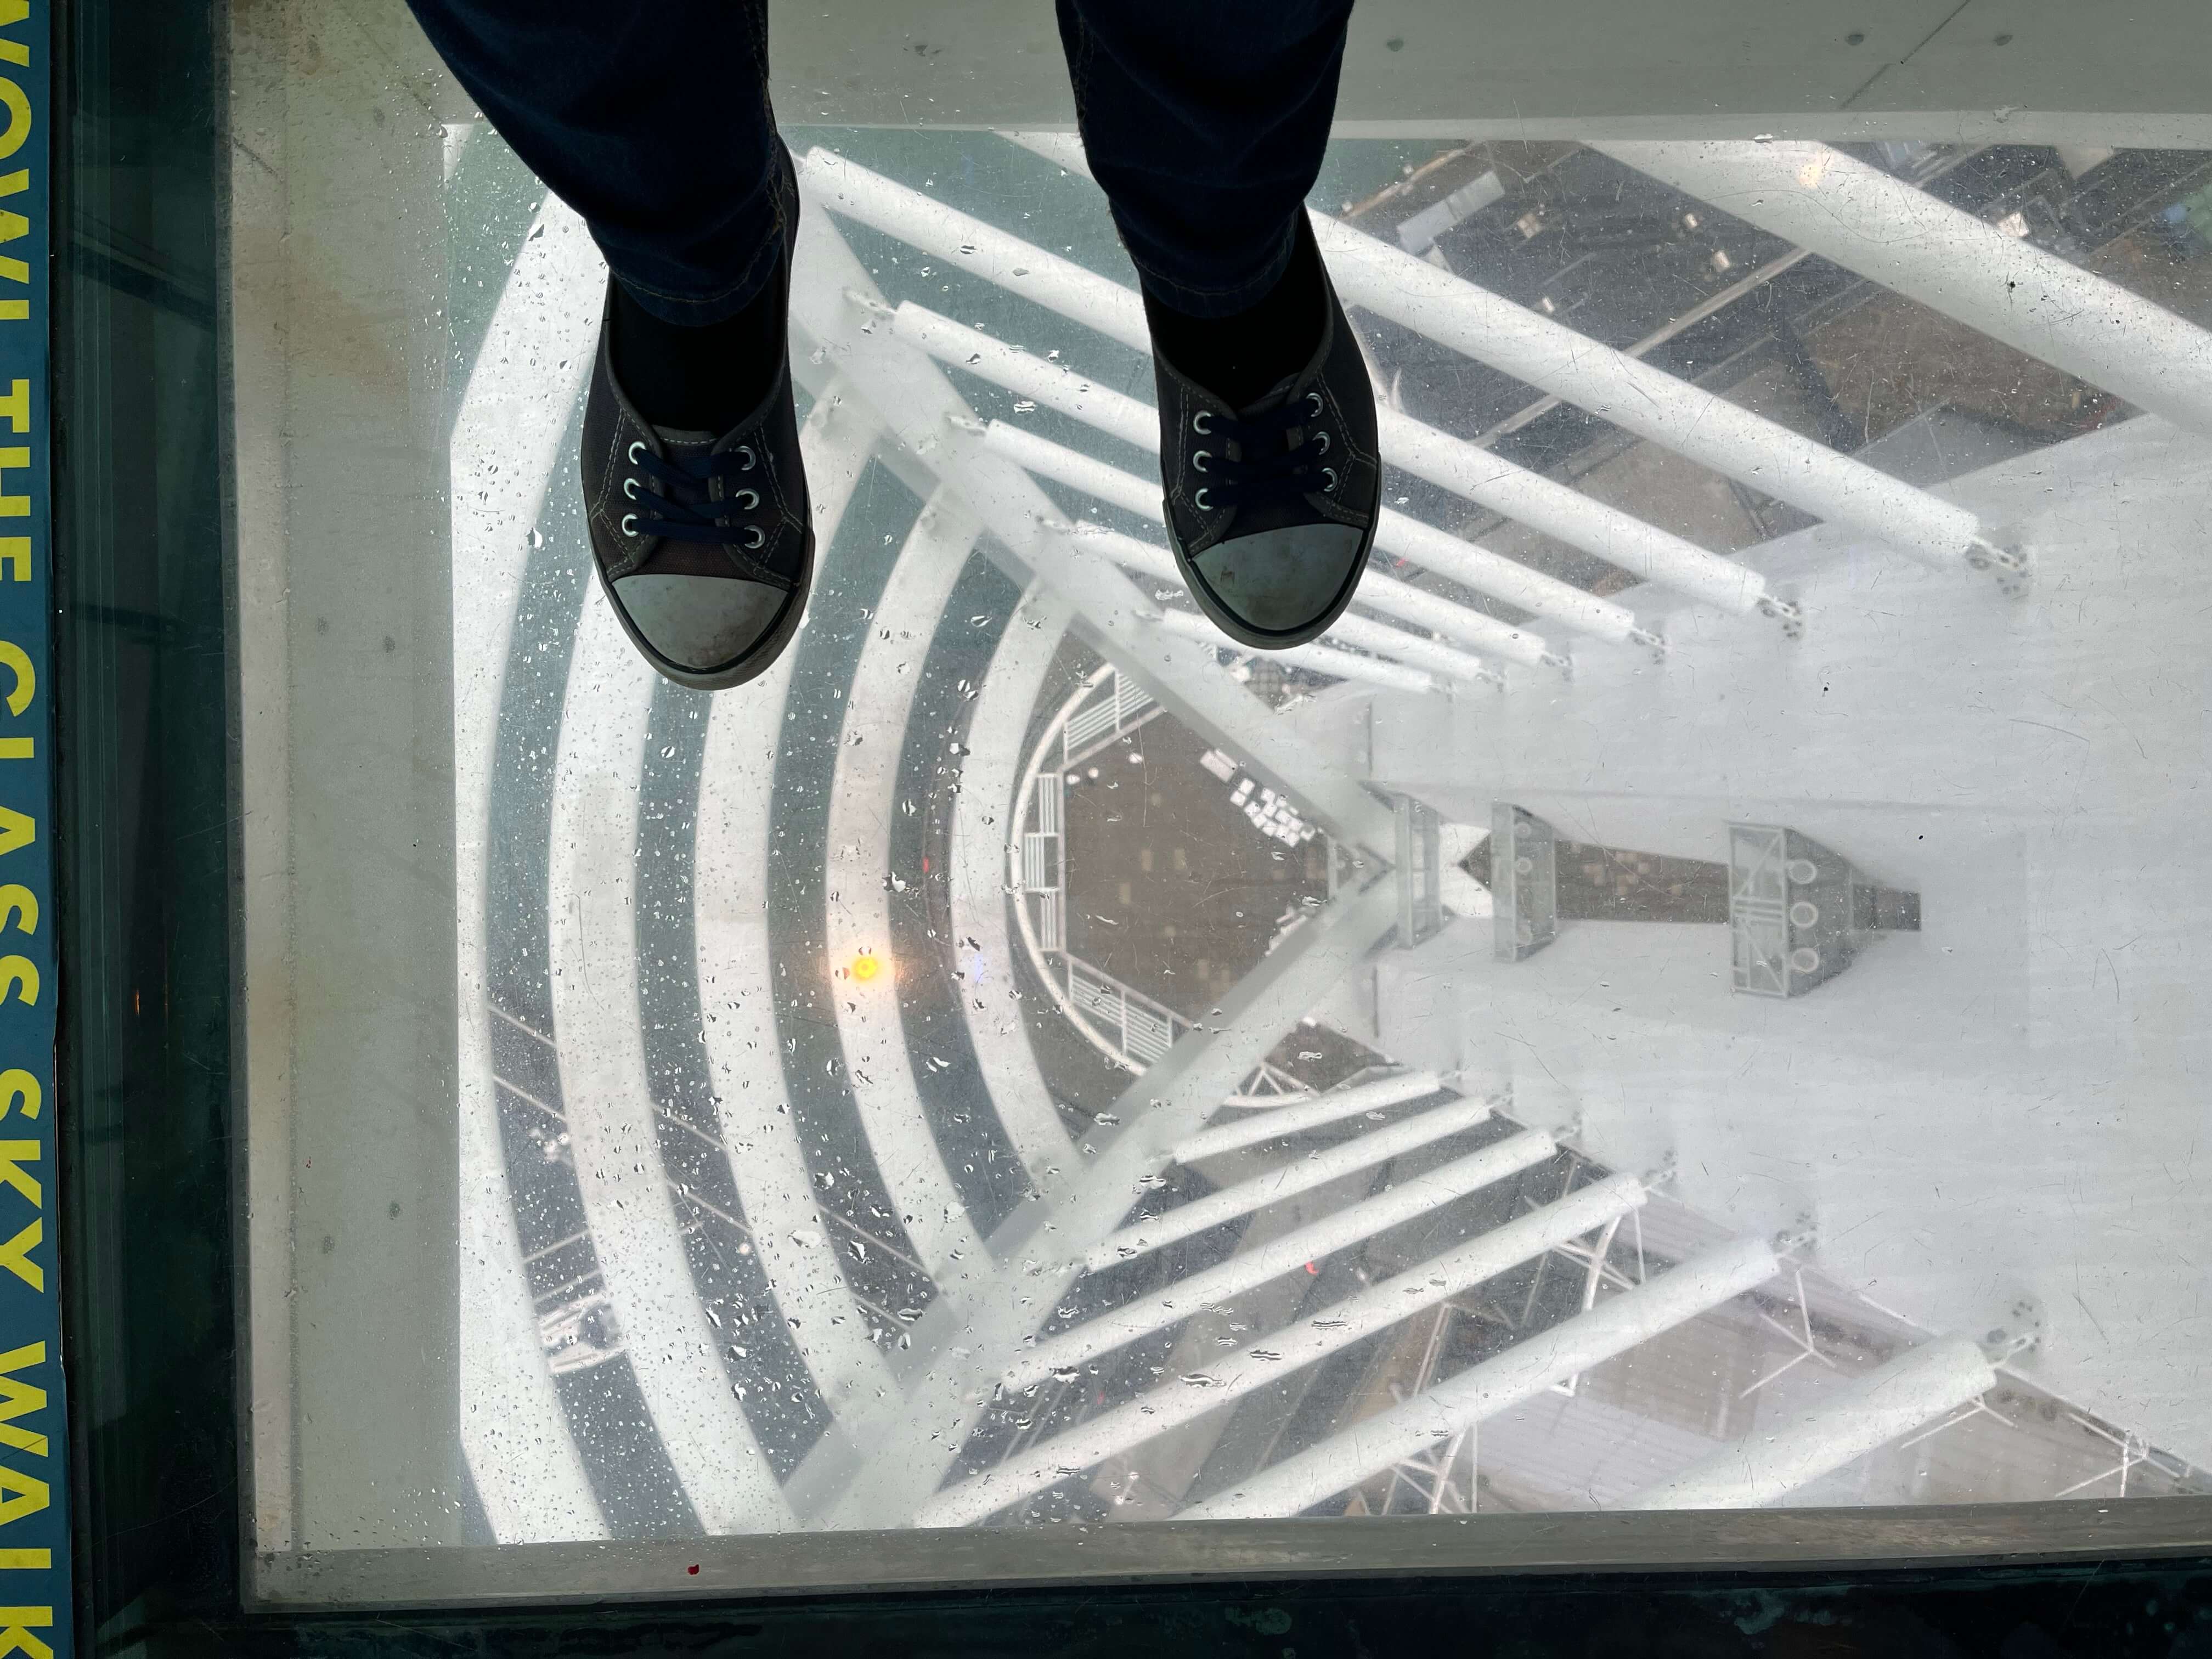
(34, 1538)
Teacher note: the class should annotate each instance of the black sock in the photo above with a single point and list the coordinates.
(704, 379)
(1238, 358)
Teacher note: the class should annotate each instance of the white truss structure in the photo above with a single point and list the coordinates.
(901, 1420)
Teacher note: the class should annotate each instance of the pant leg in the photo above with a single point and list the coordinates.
(1204, 121)
(651, 120)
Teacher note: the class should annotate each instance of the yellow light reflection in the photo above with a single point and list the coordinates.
(866, 965)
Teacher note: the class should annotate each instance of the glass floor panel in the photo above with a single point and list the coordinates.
(1685, 1000)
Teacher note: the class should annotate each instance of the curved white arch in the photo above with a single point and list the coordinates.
(1010, 848)
(737, 786)
(863, 796)
(992, 781)
(592, 917)
(522, 390)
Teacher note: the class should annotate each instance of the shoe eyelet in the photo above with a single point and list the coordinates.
(637, 448)
(1329, 488)
(748, 498)
(1202, 415)
(746, 450)
(757, 539)
(1314, 398)
(629, 488)
(1199, 459)
(1200, 501)
(630, 524)
(1321, 438)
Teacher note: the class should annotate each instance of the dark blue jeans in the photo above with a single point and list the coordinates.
(1204, 121)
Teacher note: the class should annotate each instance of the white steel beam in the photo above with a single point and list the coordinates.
(1619, 538)
(1286, 1253)
(1690, 420)
(1320, 658)
(1440, 551)
(1702, 425)
(1829, 1429)
(1377, 592)
(1316, 1169)
(1259, 1363)
(1524, 1370)
(1466, 469)
(918, 407)
(1333, 1107)
(1950, 261)
(1415, 650)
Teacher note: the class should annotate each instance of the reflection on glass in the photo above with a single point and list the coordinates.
(1691, 998)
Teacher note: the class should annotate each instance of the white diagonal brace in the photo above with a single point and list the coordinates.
(1524, 1370)
(1700, 424)
(1827, 1430)
(1416, 1196)
(1321, 658)
(1899, 235)
(1358, 1316)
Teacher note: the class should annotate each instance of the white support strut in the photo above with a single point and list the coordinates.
(1333, 1107)
(1320, 658)
(1440, 551)
(1362, 1315)
(1318, 1169)
(1829, 1430)
(1378, 592)
(2003, 286)
(1286, 1253)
